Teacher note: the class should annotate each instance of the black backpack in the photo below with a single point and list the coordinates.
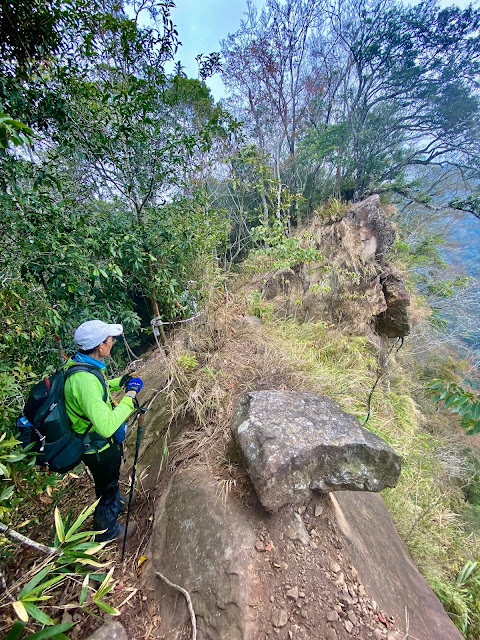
(58, 446)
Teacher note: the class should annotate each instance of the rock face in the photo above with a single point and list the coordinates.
(386, 569)
(359, 288)
(293, 443)
(201, 543)
(393, 321)
(371, 230)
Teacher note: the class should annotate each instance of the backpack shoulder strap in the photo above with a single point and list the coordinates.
(76, 368)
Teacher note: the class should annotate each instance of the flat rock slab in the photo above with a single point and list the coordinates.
(386, 569)
(205, 544)
(293, 443)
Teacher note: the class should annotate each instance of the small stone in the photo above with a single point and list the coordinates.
(352, 617)
(290, 635)
(335, 567)
(279, 618)
(318, 510)
(272, 599)
(66, 617)
(361, 590)
(332, 616)
(394, 635)
(377, 634)
(330, 634)
(348, 626)
(293, 593)
(340, 581)
(346, 601)
(301, 594)
(313, 545)
(301, 510)
(296, 530)
(374, 605)
(259, 546)
(354, 573)
(110, 631)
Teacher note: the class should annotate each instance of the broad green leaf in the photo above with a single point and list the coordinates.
(7, 493)
(38, 614)
(51, 632)
(107, 608)
(450, 401)
(106, 585)
(48, 584)
(98, 577)
(476, 411)
(84, 591)
(15, 457)
(37, 578)
(4, 471)
(80, 520)
(59, 525)
(16, 630)
(474, 429)
(79, 536)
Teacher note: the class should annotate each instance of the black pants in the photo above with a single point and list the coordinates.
(105, 468)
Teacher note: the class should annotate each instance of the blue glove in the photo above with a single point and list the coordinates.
(121, 433)
(134, 384)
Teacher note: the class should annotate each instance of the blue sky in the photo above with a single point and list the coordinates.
(203, 23)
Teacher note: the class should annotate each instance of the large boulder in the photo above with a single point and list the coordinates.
(294, 443)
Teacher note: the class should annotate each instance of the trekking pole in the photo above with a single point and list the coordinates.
(141, 419)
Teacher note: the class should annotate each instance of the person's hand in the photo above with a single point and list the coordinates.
(134, 384)
(124, 379)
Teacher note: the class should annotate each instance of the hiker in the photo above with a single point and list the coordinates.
(104, 423)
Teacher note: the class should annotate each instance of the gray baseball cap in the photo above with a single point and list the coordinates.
(93, 332)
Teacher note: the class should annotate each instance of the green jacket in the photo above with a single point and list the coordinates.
(84, 397)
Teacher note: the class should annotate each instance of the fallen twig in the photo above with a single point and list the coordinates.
(52, 551)
(4, 587)
(189, 602)
(407, 624)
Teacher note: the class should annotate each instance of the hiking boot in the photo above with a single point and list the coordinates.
(123, 501)
(132, 527)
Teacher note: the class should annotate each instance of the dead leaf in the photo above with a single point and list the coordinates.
(20, 610)
(24, 523)
(269, 546)
(45, 499)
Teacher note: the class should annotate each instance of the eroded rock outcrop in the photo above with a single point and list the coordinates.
(294, 443)
(354, 283)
